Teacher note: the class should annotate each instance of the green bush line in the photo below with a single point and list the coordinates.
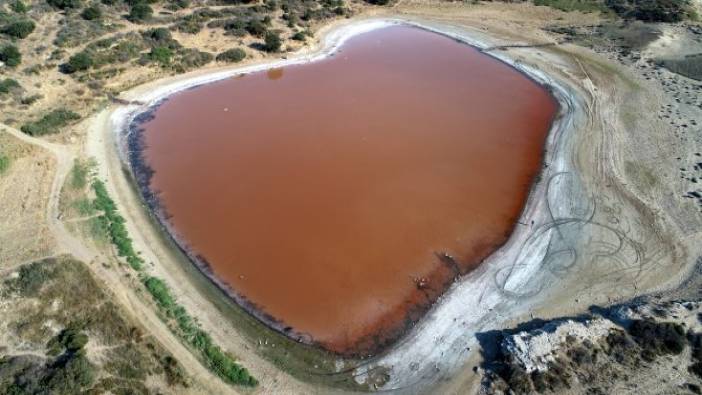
(215, 359)
(115, 226)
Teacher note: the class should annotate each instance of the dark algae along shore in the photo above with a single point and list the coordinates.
(337, 200)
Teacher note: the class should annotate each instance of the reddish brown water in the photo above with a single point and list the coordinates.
(326, 194)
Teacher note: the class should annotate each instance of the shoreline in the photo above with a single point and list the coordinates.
(123, 116)
(375, 342)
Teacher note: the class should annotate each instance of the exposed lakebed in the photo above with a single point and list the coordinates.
(338, 199)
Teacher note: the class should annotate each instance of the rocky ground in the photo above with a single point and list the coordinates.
(645, 347)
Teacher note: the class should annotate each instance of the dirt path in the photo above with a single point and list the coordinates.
(123, 293)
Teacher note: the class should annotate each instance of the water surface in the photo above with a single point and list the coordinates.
(342, 197)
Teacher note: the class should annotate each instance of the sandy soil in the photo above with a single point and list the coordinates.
(609, 222)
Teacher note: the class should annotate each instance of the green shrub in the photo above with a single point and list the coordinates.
(178, 4)
(84, 206)
(4, 163)
(91, 13)
(160, 292)
(50, 123)
(7, 85)
(233, 55)
(192, 58)
(140, 12)
(161, 55)
(10, 55)
(190, 24)
(29, 100)
(69, 339)
(158, 35)
(30, 279)
(256, 28)
(19, 7)
(272, 42)
(19, 29)
(64, 4)
(79, 62)
(299, 36)
(79, 174)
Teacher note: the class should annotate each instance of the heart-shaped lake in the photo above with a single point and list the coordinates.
(339, 199)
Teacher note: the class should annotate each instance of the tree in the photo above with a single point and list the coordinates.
(91, 13)
(140, 12)
(78, 62)
(272, 42)
(10, 55)
(19, 29)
